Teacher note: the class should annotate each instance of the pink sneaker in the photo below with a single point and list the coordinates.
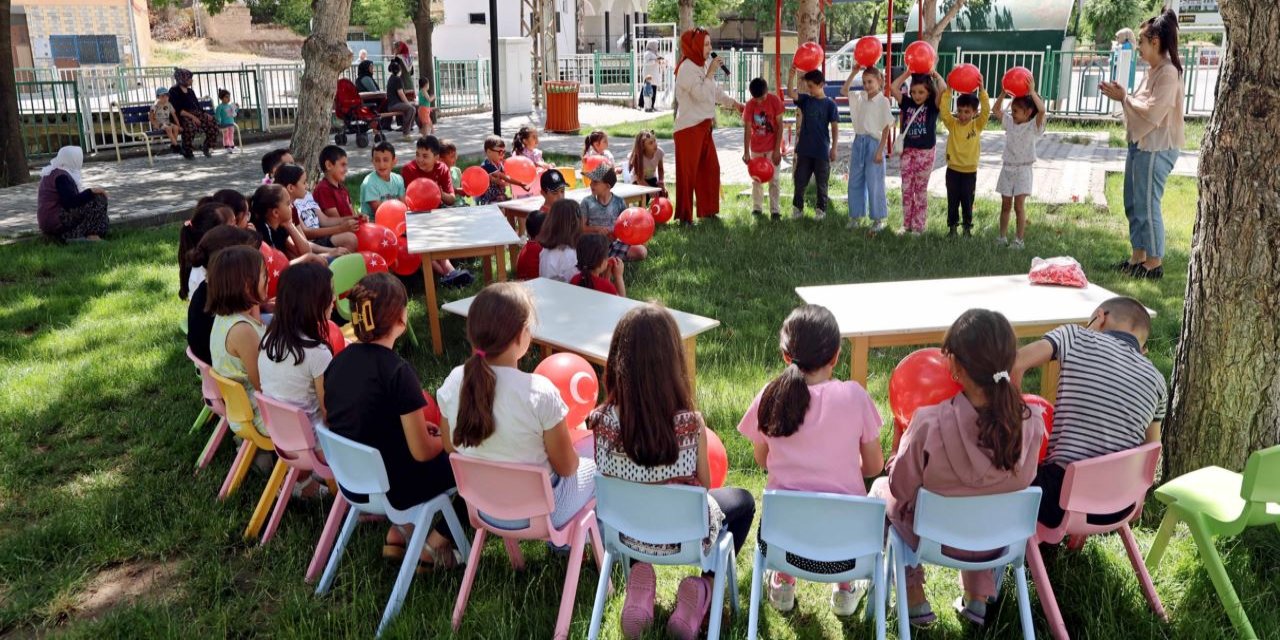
(637, 609)
(693, 600)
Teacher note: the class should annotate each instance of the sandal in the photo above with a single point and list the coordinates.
(1142, 273)
(1124, 266)
(921, 615)
(437, 559)
(974, 611)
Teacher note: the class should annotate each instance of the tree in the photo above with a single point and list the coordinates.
(424, 27)
(688, 14)
(324, 57)
(1106, 17)
(808, 20)
(13, 160)
(929, 22)
(1226, 378)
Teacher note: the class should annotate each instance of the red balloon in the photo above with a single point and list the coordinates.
(921, 379)
(920, 57)
(406, 263)
(1017, 81)
(808, 57)
(760, 169)
(634, 226)
(275, 262)
(867, 51)
(475, 181)
(373, 263)
(432, 411)
(378, 239)
(1036, 401)
(422, 195)
(521, 169)
(390, 213)
(337, 342)
(590, 163)
(661, 210)
(573, 376)
(717, 459)
(965, 78)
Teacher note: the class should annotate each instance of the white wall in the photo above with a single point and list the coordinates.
(457, 39)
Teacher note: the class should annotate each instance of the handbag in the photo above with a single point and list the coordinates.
(902, 135)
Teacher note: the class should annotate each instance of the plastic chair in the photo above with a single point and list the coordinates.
(570, 176)
(520, 492)
(1002, 523)
(359, 469)
(825, 527)
(347, 271)
(1216, 502)
(661, 514)
(1106, 484)
(240, 412)
(213, 405)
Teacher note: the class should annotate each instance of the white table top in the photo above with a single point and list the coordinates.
(533, 203)
(454, 228)
(582, 320)
(918, 306)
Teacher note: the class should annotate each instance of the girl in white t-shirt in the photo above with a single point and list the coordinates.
(559, 237)
(494, 411)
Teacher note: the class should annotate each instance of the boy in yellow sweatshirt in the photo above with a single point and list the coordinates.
(964, 144)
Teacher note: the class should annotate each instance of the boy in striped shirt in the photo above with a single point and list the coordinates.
(1110, 396)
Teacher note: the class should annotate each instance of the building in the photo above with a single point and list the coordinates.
(464, 32)
(606, 24)
(80, 33)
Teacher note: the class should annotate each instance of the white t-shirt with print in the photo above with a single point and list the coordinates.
(295, 383)
(524, 406)
(560, 264)
(1020, 140)
(308, 211)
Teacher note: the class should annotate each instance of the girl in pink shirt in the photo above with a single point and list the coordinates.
(814, 433)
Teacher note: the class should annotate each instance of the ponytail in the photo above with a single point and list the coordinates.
(498, 315)
(592, 249)
(1164, 27)
(982, 342)
(207, 216)
(1000, 421)
(475, 407)
(810, 340)
(784, 402)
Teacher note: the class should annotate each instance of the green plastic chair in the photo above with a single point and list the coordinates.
(1215, 502)
(347, 271)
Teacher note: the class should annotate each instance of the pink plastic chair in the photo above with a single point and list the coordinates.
(1107, 484)
(520, 492)
(212, 399)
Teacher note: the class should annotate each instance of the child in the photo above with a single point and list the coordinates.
(373, 396)
(306, 212)
(814, 433)
(206, 217)
(596, 269)
(526, 144)
(237, 286)
(426, 164)
(648, 430)
(872, 123)
(553, 188)
(495, 150)
(1023, 125)
(494, 411)
(1110, 396)
(919, 130)
(648, 92)
(225, 114)
(645, 161)
(527, 263)
(331, 192)
(558, 259)
(200, 321)
(164, 118)
(964, 144)
(236, 201)
(601, 209)
(762, 122)
(271, 213)
(449, 156)
(383, 183)
(815, 145)
(426, 126)
(597, 144)
(273, 159)
(983, 441)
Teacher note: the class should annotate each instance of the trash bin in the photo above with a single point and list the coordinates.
(562, 106)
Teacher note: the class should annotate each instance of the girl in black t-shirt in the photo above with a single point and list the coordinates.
(271, 213)
(918, 126)
(373, 397)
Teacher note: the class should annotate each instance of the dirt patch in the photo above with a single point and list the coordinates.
(122, 585)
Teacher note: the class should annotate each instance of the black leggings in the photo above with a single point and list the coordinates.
(431, 478)
(960, 188)
(739, 511)
(1049, 478)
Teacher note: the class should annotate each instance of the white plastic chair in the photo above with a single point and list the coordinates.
(359, 469)
(661, 514)
(825, 527)
(1000, 523)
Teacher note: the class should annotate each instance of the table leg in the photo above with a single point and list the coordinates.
(861, 351)
(691, 364)
(1049, 381)
(487, 266)
(501, 257)
(546, 350)
(433, 313)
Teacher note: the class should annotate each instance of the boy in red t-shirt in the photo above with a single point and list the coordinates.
(426, 164)
(762, 122)
(331, 191)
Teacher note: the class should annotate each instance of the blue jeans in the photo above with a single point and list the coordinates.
(866, 179)
(1145, 173)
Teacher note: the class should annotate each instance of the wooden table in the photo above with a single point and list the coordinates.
(458, 232)
(919, 312)
(582, 320)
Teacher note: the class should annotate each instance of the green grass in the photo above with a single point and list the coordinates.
(96, 462)
(663, 127)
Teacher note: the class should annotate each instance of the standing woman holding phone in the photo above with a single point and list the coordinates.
(1155, 132)
(697, 165)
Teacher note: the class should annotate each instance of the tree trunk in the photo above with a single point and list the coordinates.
(1226, 382)
(424, 25)
(684, 20)
(808, 21)
(933, 27)
(13, 160)
(324, 56)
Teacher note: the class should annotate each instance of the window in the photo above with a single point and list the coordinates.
(478, 18)
(86, 49)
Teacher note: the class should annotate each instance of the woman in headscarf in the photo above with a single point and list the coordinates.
(192, 118)
(64, 208)
(697, 166)
(364, 78)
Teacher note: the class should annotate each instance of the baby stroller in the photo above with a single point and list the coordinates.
(357, 116)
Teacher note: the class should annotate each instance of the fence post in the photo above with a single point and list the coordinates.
(435, 82)
(479, 85)
(595, 73)
(260, 84)
(633, 77)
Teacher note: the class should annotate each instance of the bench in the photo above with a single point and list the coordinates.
(135, 125)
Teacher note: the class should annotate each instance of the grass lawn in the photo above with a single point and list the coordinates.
(104, 532)
(663, 127)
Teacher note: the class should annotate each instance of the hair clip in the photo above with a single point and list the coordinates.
(1000, 375)
(479, 352)
(363, 316)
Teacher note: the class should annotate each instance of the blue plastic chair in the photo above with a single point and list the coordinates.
(826, 527)
(661, 514)
(359, 469)
(1003, 522)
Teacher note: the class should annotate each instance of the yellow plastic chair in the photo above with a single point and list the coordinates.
(570, 176)
(240, 413)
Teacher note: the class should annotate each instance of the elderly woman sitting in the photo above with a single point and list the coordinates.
(65, 209)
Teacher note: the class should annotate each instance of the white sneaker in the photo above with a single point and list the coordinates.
(844, 603)
(1002, 241)
(797, 213)
(1017, 245)
(916, 234)
(819, 215)
(854, 223)
(782, 595)
(877, 226)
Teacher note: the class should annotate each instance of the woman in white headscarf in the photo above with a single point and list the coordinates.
(65, 209)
